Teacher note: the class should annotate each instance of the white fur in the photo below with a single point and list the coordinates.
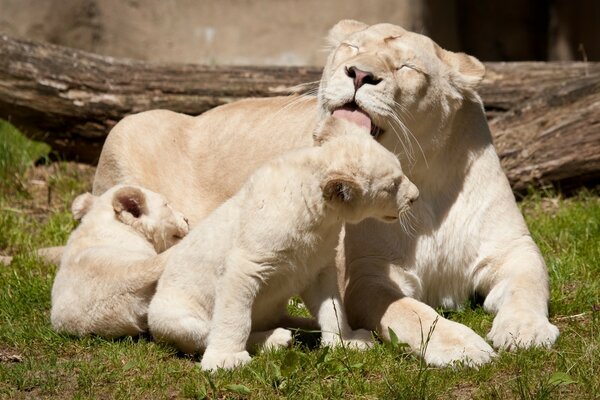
(110, 267)
(468, 235)
(275, 238)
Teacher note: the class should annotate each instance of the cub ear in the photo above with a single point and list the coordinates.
(130, 199)
(81, 205)
(342, 29)
(342, 188)
(468, 70)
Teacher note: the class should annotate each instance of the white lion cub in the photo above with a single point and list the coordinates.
(276, 238)
(110, 266)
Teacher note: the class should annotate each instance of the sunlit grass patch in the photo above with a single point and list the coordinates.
(36, 362)
(17, 153)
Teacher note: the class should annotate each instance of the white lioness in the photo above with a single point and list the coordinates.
(110, 267)
(276, 238)
(420, 101)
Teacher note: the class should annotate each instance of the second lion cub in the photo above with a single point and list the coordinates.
(112, 261)
(235, 272)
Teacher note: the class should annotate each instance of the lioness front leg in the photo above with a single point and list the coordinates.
(232, 316)
(517, 291)
(375, 302)
(322, 298)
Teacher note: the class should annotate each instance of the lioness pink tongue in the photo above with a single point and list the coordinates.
(356, 116)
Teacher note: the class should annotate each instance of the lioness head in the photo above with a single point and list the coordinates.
(147, 212)
(362, 178)
(400, 85)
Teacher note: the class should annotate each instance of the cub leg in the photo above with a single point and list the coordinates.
(232, 315)
(272, 339)
(172, 318)
(517, 291)
(292, 322)
(376, 302)
(322, 298)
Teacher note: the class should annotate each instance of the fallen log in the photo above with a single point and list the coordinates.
(545, 117)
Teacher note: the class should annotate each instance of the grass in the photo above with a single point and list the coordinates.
(36, 362)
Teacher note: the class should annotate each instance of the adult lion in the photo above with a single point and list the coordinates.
(467, 234)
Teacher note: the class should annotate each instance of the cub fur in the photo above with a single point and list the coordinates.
(468, 234)
(110, 266)
(276, 238)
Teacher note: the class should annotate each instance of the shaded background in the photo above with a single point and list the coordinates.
(291, 32)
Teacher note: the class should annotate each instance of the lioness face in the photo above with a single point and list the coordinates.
(400, 85)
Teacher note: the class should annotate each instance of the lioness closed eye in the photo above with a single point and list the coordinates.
(418, 100)
(234, 273)
(110, 267)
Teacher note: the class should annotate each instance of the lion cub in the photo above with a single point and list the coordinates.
(235, 272)
(110, 267)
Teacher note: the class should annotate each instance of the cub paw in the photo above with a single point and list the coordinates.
(280, 338)
(454, 344)
(212, 360)
(511, 331)
(359, 339)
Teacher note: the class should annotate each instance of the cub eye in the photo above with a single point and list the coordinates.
(393, 188)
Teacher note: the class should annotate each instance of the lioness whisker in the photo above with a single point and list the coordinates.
(405, 128)
(407, 151)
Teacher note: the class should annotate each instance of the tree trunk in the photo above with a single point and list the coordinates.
(545, 117)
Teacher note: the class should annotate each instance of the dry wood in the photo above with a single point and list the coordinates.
(545, 117)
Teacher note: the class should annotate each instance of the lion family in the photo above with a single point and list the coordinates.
(420, 102)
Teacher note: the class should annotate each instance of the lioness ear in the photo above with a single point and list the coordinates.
(468, 70)
(342, 29)
(340, 188)
(130, 199)
(81, 205)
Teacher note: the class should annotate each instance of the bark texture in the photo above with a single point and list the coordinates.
(545, 117)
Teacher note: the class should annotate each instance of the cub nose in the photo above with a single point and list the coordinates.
(361, 77)
(413, 193)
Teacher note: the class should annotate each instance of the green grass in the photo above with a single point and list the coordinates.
(16, 154)
(36, 362)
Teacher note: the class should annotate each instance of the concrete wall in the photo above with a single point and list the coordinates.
(291, 32)
(279, 32)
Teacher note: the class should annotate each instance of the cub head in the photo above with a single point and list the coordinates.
(145, 211)
(363, 179)
(400, 85)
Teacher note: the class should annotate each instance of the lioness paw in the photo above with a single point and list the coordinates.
(212, 360)
(453, 344)
(512, 331)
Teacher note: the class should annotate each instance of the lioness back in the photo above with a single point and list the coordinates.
(181, 155)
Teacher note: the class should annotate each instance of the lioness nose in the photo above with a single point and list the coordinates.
(361, 77)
